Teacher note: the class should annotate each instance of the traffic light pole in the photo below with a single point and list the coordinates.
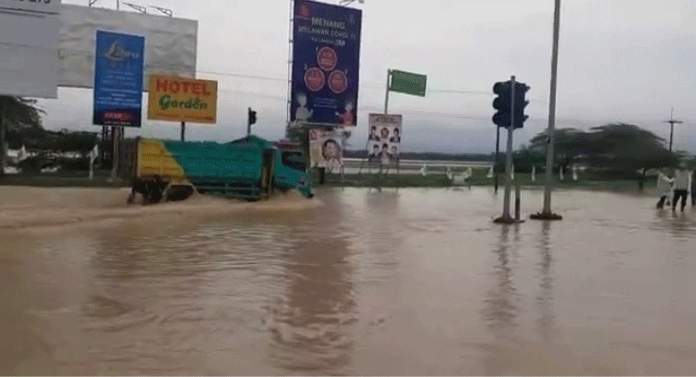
(507, 218)
(183, 131)
(546, 213)
(497, 158)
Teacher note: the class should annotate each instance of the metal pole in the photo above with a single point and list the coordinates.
(518, 200)
(386, 100)
(249, 123)
(671, 135)
(115, 135)
(3, 151)
(508, 163)
(497, 158)
(183, 131)
(552, 111)
(118, 4)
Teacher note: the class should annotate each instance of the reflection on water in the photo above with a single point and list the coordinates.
(545, 297)
(310, 329)
(501, 309)
(356, 282)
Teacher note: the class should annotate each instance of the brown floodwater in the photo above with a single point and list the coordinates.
(414, 282)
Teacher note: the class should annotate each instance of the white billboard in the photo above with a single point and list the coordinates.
(28, 48)
(170, 43)
(384, 139)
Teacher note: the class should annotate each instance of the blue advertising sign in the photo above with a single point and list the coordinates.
(326, 63)
(118, 79)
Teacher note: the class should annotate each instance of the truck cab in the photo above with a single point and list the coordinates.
(291, 170)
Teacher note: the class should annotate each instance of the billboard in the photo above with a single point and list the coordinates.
(118, 91)
(170, 49)
(29, 48)
(182, 100)
(384, 139)
(325, 150)
(326, 64)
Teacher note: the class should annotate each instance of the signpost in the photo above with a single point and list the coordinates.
(408, 83)
(401, 82)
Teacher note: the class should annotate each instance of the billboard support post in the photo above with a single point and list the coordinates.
(115, 155)
(3, 151)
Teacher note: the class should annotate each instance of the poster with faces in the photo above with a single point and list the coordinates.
(325, 148)
(384, 138)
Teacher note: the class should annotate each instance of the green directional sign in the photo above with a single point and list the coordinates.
(409, 83)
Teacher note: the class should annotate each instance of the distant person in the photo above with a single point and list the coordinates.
(664, 188)
(373, 134)
(682, 183)
(397, 137)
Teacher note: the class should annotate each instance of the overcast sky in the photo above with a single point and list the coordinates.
(619, 60)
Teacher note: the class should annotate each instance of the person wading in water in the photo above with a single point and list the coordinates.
(682, 183)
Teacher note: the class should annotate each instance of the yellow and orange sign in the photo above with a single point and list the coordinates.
(182, 99)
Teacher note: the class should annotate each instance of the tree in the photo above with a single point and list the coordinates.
(569, 144)
(16, 113)
(628, 147)
(618, 147)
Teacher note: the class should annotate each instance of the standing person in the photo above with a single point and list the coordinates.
(682, 183)
(664, 188)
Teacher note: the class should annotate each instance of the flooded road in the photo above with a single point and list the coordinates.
(414, 282)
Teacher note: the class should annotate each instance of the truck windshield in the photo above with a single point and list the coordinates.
(294, 160)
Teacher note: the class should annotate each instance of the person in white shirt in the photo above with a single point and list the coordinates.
(682, 183)
(664, 187)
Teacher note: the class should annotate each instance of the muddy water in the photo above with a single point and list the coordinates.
(354, 282)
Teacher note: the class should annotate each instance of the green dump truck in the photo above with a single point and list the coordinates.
(250, 168)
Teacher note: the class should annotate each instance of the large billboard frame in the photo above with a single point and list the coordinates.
(29, 48)
(171, 43)
(324, 68)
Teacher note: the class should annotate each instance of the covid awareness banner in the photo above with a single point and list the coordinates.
(326, 64)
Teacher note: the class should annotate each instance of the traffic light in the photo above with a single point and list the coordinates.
(520, 104)
(252, 116)
(503, 103)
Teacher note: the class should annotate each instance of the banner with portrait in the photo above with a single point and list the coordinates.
(384, 138)
(325, 149)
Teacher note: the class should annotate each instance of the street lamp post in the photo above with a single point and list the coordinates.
(546, 213)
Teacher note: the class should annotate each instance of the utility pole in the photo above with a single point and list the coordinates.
(672, 122)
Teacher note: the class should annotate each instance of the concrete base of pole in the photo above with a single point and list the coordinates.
(546, 216)
(507, 220)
